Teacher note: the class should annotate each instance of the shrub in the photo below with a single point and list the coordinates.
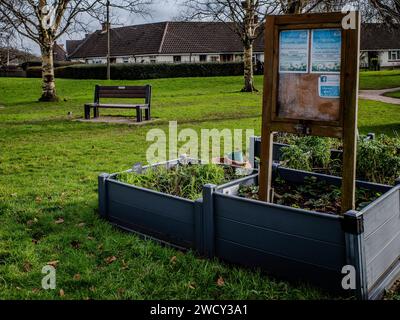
(377, 160)
(142, 71)
(184, 181)
(149, 71)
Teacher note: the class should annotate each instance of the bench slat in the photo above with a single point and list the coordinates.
(127, 106)
(125, 95)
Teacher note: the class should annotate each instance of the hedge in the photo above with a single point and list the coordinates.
(143, 71)
(38, 63)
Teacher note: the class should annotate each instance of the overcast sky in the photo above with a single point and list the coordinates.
(161, 10)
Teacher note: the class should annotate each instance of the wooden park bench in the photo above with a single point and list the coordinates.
(121, 92)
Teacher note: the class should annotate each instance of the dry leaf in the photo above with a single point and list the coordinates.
(38, 199)
(111, 259)
(173, 260)
(90, 238)
(191, 286)
(81, 225)
(124, 265)
(92, 289)
(59, 221)
(53, 263)
(34, 241)
(35, 290)
(62, 293)
(220, 282)
(27, 267)
(77, 277)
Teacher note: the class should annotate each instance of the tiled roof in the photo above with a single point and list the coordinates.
(163, 38)
(375, 36)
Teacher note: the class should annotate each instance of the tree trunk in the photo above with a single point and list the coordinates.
(48, 84)
(248, 69)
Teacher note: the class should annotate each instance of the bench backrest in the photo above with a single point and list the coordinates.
(128, 92)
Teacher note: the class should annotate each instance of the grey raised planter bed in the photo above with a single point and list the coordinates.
(291, 243)
(150, 213)
(310, 246)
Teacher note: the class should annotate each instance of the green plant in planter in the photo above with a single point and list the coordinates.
(379, 160)
(185, 181)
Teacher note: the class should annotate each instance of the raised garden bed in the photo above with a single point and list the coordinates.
(169, 209)
(293, 243)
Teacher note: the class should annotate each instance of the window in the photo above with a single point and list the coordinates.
(177, 59)
(125, 60)
(203, 58)
(394, 55)
(153, 61)
(214, 59)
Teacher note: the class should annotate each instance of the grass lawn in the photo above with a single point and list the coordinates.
(48, 194)
(395, 94)
(372, 80)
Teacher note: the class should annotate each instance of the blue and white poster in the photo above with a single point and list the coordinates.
(329, 86)
(326, 50)
(294, 51)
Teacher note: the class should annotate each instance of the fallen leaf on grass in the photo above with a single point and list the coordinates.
(62, 293)
(90, 238)
(81, 225)
(53, 263)
(173, 260)
(191, 286)
(59, 221)
(111, 259)
(27, 266)
(220, 282)
(77, 277)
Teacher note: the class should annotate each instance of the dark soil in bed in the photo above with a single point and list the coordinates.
(312, 195)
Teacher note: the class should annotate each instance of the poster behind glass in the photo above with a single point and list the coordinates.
(309, 74)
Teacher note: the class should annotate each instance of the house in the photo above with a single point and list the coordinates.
(59, 53)
(380, 45)
(164, 42)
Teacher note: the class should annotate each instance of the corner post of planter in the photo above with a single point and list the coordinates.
(253, 151)
(208, 220)
(353, 226)
(103, 194)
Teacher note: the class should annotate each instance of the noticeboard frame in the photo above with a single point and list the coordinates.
(344, 128)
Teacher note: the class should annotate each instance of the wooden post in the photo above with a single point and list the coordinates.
(350, 119)
(267, 137)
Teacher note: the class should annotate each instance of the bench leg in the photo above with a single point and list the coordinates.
(147, 114)
(139, 115)
(87, 112)
(96, 112)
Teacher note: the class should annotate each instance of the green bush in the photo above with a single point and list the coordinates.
(377, 160)
(38, 63)
(184, 181)
(143, 71)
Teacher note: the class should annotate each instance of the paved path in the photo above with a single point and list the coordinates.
(377, 95)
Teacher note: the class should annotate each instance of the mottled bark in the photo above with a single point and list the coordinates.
(48, 83)
(248, 68)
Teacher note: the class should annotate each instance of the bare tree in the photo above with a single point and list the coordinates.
(44, 21)
(245, 18)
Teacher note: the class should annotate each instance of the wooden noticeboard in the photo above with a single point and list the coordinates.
(311, 87)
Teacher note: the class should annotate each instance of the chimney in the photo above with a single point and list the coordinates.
(104, 27)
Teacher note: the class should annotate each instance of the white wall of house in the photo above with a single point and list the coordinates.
(177, 58)
(387, 58)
